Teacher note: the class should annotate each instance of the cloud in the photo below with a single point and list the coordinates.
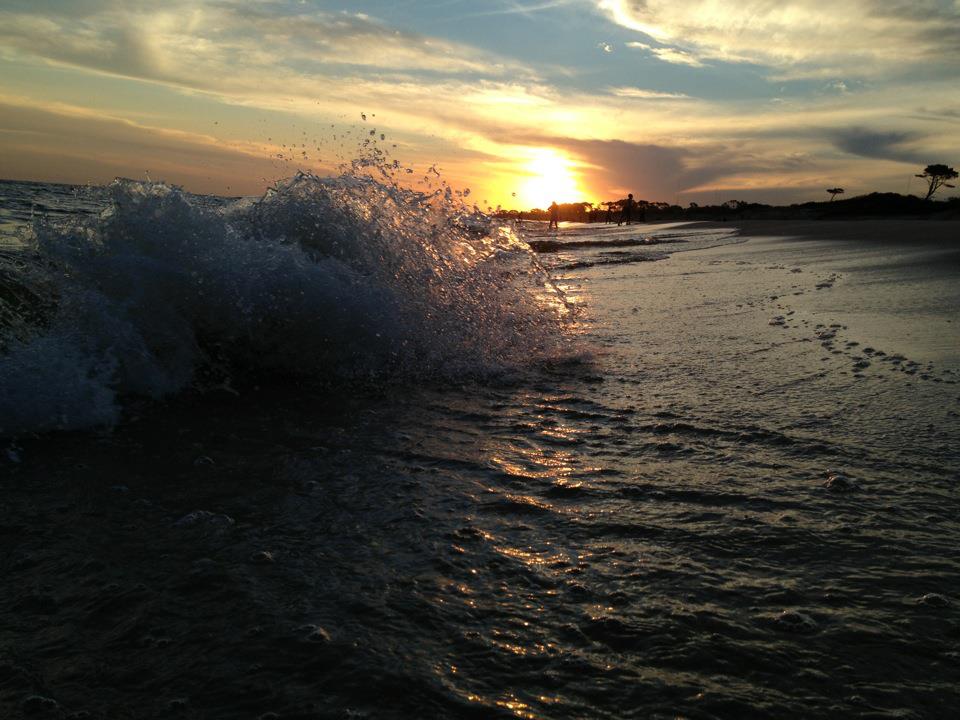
(199, 45)
(641, 94)
(802, 36)
(717, 171)
(650, 171)
(518, 8)
(672, 55)
(837, 86)
(876, 144)
(280, 56)
(949, 114)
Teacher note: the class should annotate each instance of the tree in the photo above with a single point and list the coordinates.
(834, 192)
(936, 177)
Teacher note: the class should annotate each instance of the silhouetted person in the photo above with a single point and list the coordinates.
(627, 213)
(554, 216)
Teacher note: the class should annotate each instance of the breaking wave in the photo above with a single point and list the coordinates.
(336, 279)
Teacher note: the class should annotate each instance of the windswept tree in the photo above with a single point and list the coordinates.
(834, 192)
(936, 177)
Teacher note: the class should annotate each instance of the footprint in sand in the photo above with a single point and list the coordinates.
(828, 283)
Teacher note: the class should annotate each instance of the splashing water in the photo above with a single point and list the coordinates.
(329, 278)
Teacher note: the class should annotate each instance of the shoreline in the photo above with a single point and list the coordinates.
(884, 231)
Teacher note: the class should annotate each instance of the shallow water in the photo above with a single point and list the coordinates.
(22, 202)
(733, 510)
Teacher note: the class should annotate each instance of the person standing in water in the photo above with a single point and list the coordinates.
(554, 216)
(627, 211)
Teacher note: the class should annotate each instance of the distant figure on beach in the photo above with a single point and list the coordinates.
(554, 216)
(627, 214)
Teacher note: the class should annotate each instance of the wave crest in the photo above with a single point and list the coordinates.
(330, 278)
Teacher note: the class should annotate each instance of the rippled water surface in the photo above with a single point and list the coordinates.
(742, 505)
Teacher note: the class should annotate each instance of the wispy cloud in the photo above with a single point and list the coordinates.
(514, 7)
(641, 94)
(672, 55)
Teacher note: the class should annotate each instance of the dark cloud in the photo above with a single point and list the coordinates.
(920, 11)
(650, 171)
(656, 172)
(943, 113)
(875, 144)
(933, 26)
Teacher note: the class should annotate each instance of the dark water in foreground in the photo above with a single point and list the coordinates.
(744, 506)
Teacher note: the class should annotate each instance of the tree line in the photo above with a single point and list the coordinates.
(937, 176)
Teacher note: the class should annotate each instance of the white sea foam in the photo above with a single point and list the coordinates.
(335, 278)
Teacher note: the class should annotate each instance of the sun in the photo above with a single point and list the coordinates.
(549, 177)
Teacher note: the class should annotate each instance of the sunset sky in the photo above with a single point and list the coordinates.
(679, 100)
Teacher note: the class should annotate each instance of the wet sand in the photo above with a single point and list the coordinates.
(900, 286)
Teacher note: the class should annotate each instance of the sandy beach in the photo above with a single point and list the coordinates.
(900, 286)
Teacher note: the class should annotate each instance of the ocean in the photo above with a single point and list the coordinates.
(351, 451)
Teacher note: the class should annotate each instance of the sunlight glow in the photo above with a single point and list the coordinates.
(550, 177)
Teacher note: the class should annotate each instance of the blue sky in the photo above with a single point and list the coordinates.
(521, 100)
